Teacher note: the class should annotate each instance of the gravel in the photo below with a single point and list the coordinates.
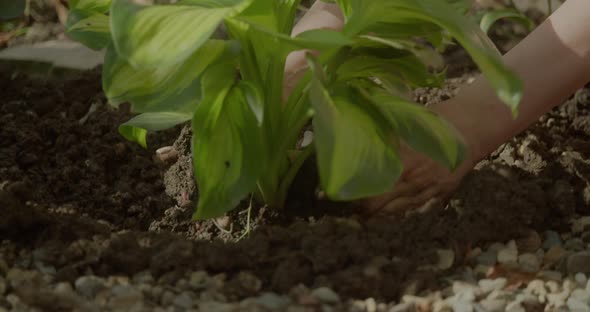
(496, 277)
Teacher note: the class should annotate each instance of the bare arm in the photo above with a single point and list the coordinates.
(553, 61)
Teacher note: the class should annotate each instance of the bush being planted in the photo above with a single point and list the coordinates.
(166, 62)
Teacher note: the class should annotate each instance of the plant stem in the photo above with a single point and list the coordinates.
(292, 172)
(549, 7)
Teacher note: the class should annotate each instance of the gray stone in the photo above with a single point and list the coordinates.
(325, 294)
(199, 280)
(402, 307)
(167, 298)
(487, 258)
(580, 225)
(509, 254)
(462, 306)
(125, 297)
(580, 294)
(217, 306)
(579, 262)
(515, 306)
(272, 301)
(370, 305)
(144, 277)
(575, 244)
(183, 301)
(446, 258)
(493, 305)
(581, 279)
(89, 286)
(551, 275)
(529, 262)
(489, 285)
(552, 239)
(577, 306)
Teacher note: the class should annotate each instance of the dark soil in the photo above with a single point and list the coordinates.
(96, 203)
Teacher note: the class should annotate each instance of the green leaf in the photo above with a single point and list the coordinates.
(422, 129)
(356, 158)
(174, 88)
(255, 99)
(96, 6)
(322, 39)
(89, 28)
(226, 145)
(161, 35)
(134, 134)
(492, 17)
(136, 129)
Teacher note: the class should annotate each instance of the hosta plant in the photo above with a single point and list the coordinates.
(165, 60)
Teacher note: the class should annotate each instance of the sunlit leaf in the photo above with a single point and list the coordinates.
(162, 89)
(136, 128)
(355, 157)
(89, 28)
(226, 145)
(161, 35)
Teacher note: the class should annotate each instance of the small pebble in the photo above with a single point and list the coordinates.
(530, 243)
(493, 305)
(509, 254)
(272, 301)
(553, 256)
(515, 306)
(579, 262)
(183, 301)
(370, 305)
(489, 285)
(581, 295)
(402, 307)
(529, 262)
(326, 295)
(487, 258)
(575, 244)
(580, 225)
(446, 258)
(577, 306)
(552, 239)
(581, 279)
(199, 280)
(89, 286)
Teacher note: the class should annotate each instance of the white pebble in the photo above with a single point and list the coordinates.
(578, 306)
(580, 295)
(493, 305)
(581, 279)
(529, 262)
(489, 285)
(509, 254)
(515, 306)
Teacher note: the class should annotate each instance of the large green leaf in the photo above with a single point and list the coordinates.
(226, 145)
(355, 157)
(136, 128)
(422, 129)
(174, 88)
(89, 28)
(162, 35)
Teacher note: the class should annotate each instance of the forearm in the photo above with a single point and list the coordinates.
(553, 62)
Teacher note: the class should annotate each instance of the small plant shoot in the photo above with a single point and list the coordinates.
(166, 60)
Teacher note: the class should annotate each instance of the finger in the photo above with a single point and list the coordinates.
(402, 204)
